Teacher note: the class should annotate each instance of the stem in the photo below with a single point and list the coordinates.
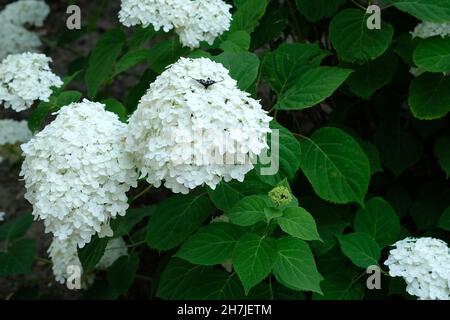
(140, 194)
(359, 5)
(43, 260)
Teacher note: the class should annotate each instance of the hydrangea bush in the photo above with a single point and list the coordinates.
(246, 149)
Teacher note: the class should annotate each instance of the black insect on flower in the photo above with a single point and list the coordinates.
(207, 83)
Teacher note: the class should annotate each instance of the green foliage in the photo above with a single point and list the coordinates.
(360, 149)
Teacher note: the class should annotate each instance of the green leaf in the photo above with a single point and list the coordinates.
(38, 115)
(122, 273)
(299, 223)
(335, 165)
(211, 245)
(16, 227)
(224, 196)
(433, 54)
(103, 58)
(249, 210)
(217, 284)
(19, 258)
(253, 259)
(444, 221)
(67, 97)
(354, 41)
(372, 154)
(295, 265)
(399, 149)
(284, 157)
(432, 200)
(373, 75)
(115, 106)
(379, 220)
(340, 287)
(360, 248)
(140, 36)
(91, 254)
(248, 15)
(165, 53)
(284, 66)
(236, 42)
(175, 219)
(122, 225)
(271, 25)
(131, 59)
(178, 279)
(243, 67)
(318, 9)
(429, 96)
(312, 87)
(427, 10)
(442, 153)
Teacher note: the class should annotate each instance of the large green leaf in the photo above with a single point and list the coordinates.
(427, 10)
(248, 15)
(354, 41)
(340, 287)
(429, 96)
(253, 259)
(360, 248)
(103, 58)
(298, 223)
(284, 66)
(18, 258)
(444, 220)
(131, 59)
(249, 210)
(312, 87)
(122, 225)
(433, 54)
(16, 227)
(442, 153)
(122, 273)
(211, 245)
(378, 219)
(284, 157)
(399, 149)
(92, 253)
(335, 165)
(295, 265)
(318, 9)
(165, 53)
(243, 67)
(175, 219)
(373, 75)
(217, 284)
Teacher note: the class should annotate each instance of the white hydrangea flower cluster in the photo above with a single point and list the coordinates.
(431, 29)
(64, 254)
(32, 12)
(188, 135)
(424, 263)
(77, 172)
(25, 78)
(13, 131)
(115, 249)
(193, 20)
(14, 37)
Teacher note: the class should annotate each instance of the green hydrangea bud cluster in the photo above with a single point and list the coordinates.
(280, 195)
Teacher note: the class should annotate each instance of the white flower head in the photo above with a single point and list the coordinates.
(193, 20)
(187, 134)
(14, 37)
(424, 263)
(2, 216)
(77, 172)
(25, 78)
(13, 131)
(31, 12)
(115, 249)
(431, 29)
